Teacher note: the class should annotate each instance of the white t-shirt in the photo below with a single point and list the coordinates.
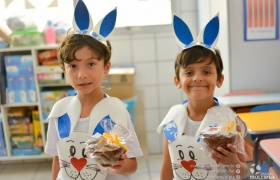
(52, 140)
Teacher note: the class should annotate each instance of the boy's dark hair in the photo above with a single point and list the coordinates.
(197, 54)
(73, 42)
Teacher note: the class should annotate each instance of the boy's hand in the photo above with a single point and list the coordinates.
(119, 163)
(225, 157)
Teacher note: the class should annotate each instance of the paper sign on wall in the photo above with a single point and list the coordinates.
(260, 20)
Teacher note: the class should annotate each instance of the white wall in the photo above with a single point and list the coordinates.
(253, 64)
(249, 64)
(152, 50)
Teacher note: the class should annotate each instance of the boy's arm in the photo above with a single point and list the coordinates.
(55, 167)
(166, 172)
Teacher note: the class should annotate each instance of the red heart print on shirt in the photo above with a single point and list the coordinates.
(188, 165)
(78, 163)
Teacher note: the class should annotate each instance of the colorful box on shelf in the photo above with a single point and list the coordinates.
(48, 98)
(48, 57)
(27, 37)
(37, 131)
(49, 75)
(3, 150)
(20, 79)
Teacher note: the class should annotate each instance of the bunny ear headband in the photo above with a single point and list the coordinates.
(82, 23)
(186, 36)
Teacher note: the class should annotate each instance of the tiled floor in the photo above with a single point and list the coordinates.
(148, 169)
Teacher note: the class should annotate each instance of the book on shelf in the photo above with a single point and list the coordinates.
(37, 131)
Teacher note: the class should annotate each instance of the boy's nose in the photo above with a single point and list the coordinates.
(82, 74)
(197, 78)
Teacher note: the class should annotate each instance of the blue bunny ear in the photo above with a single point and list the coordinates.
(170, 131)
(64, 126)
(209, 35)
(184, 34)
(105, 26)
(82, 22)
(104, 123)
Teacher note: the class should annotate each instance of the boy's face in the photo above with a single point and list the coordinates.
(86, 73)
(199, 80)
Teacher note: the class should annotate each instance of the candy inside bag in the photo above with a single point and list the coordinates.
(106, 148)
(222, 131)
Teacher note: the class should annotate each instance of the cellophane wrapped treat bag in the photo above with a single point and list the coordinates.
(222, 131)
(106, 148)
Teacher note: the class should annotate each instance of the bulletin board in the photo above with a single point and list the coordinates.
(261, 20)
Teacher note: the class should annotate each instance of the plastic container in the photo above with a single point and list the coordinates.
(50, 34)
(26, 37)
(130, 106)
(25, 152)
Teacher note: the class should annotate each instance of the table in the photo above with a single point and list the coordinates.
(271, 147)
(261, 124)
(249, 100)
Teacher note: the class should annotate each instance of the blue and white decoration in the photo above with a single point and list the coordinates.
(83, 24)
(170, 131)
(186, 37)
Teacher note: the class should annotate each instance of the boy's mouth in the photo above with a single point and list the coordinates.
(84, 84)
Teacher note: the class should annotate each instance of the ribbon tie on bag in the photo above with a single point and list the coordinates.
(114, 140)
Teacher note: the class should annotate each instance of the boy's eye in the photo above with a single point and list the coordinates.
(188, 73)
(206, 72)
(91, 64)
(72, 66)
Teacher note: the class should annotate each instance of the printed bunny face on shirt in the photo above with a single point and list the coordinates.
(74, 162)
(188, 160)
(187, 157)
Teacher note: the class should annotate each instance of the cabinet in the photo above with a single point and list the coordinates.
(5, 107)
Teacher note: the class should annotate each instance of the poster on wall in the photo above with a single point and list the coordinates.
(261, 20)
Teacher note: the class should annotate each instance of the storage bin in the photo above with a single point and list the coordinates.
(130, 106)
(25, 152)
(27, 37)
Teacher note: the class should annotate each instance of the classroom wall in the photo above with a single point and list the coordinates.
(253, 65)
(248, 64)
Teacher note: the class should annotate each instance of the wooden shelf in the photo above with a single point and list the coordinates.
(4, 108)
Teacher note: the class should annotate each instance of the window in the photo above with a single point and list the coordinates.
(130, 12)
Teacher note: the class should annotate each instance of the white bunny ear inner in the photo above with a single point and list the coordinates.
(185, 35)
(104, 28)
(82, 21)
(208, 36)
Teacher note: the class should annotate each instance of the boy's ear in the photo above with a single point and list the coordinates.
(176, 82)
(107, 68)
(220, 81)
